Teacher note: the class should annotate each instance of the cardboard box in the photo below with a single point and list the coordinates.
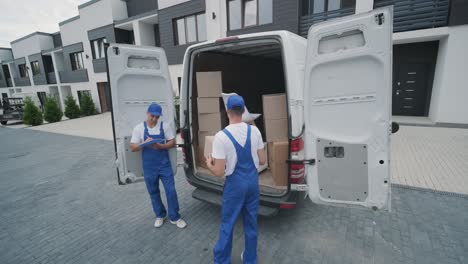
(276, 129)
(208, 146)
(200, 158)
(208, 105)
(278, 153)
(264, 166)
(209, 122)
(202, 135)
(274, 106)
(209, 84)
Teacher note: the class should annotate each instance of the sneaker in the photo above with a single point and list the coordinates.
(242, 256)
(179, 223)
(159, 221)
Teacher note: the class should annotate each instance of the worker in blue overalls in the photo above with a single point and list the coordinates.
(238, 150)
(156, 163)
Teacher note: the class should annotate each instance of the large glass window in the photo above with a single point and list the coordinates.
(247, 13)
(320, 6)
(23, 71)
(76, 60)
(190, 29)
(35, 68)
(97, 47)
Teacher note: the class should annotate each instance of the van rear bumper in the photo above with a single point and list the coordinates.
(212, 193)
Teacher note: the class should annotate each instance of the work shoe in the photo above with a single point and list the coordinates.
(179, 223)
(159, 221)
(242, 256)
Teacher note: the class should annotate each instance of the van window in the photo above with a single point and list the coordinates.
(139, 62)
(348, 40)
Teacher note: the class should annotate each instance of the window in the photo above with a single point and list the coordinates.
(76, 60)
(35, 68)
(247, 13)
(320, 6)
(97, 48)
(190, 29)
(23, 71)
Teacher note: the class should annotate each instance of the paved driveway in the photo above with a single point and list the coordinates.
(60, 203)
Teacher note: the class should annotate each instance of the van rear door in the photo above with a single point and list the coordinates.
(138, 76)
(347, 104)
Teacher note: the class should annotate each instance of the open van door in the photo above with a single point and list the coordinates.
(138, 76)
(347, 110)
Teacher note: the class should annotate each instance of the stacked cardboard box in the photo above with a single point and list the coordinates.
(276, 131)
(275, 117)
(209, 89)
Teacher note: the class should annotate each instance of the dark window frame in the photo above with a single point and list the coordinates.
(33, 67)
(176, 30)
(310, 5)
(242, 14)
(23, 70)
(93, 52)
(74, 66)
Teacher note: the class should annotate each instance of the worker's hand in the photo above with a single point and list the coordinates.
(209, 161)
(148, 139)
(157, 146)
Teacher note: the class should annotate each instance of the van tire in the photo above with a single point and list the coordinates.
(3, 122)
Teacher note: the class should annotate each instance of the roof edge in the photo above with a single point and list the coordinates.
(69, 20)
(30, 35)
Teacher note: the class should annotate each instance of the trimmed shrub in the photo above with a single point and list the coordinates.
(87, 105)
(52, 111)
(72, 110)
(32, 115)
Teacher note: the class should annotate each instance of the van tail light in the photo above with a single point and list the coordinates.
(184, 150)
(287, 205)
(297, 170)
(227, 39)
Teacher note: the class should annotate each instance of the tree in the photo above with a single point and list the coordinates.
(52, 111)
(87, 105)
(72, 110)
(32, 115)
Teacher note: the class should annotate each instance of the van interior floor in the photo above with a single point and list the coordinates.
(252, 70)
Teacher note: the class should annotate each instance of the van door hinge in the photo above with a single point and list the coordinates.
(306, 162)
(299, 187)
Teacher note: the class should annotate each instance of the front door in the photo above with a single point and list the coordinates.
(347, 103)
(414, 66)
(104, 96)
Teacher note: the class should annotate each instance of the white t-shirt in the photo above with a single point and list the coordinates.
(138, 134)
(223, 147)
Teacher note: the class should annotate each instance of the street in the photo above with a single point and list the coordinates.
(60, 203)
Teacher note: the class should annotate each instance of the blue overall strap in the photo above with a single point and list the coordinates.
(161, 129)
(234, 141)
(145, 133)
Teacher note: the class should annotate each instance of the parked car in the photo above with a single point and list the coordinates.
(338, 88)
(12, 108)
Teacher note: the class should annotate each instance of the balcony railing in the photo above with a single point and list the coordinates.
(51, 78)
(417, 14)
(306, 21)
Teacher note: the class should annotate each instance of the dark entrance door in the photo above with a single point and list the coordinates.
(413, 73)
(104, 96)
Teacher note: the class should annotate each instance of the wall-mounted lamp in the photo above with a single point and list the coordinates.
(213, 15)
(86, 56)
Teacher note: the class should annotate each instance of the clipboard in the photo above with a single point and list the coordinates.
(151, 142)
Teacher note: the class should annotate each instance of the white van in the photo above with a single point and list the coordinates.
(338, 88)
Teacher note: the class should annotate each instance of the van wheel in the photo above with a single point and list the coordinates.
(3, 122)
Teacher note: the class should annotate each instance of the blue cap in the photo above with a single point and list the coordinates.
(155, 109)
(235, 101)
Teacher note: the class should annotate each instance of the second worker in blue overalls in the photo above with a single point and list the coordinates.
(156, 163)
(237, 152)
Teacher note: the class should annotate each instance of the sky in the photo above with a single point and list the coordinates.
(19, 18)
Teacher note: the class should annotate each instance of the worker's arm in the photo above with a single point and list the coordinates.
(169, 144)
(134, 147)
(216, 166)
(261, 156)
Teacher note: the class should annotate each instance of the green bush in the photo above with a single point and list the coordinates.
(72, 110)
(52, 111)
(87, 105)
(32, 115)
(177, 111)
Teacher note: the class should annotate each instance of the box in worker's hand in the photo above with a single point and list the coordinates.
(208, 146)
(278, 154)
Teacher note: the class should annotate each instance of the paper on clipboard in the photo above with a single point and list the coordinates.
(151, 142)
